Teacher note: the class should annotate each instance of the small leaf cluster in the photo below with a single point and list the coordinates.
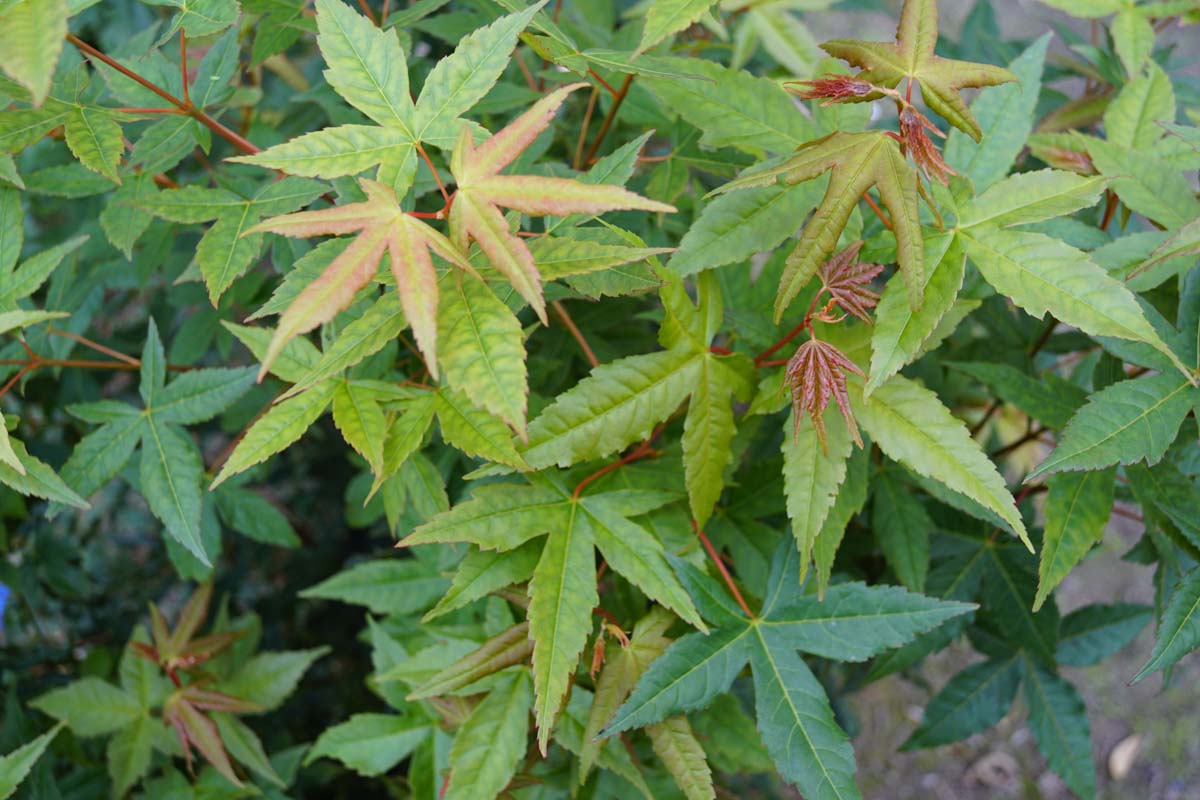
(600, 397)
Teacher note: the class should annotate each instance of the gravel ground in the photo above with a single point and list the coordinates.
(1003, 763)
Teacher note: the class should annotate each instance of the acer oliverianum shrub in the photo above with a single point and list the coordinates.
(527, 290)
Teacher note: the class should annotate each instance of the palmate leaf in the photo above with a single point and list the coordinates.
(482, 349)
(910, 425)
(381, 227)
(1041, 275)
(973, 700)
(795, 719)
(1077, 510)
(1058, 719)
(482, 190)
(1179, 628)
(488, 747)
(668, 17)
(812, 476)
(856, 162)
(14, 766)
(900, 333)
(32, 33)
(563, 585)
(912, 56)
(229, 246)
(1129, 421)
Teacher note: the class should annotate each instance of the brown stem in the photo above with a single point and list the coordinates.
(129, 110)
(602, 82)
(99, 348)
(183, 70)
(1008, 448)
(441, 186)
(712, 552)
(992, 409)
(185, 106)
(368, 12)
(1110, 208)
(577, 162)
(761, 359)
(643, 450)
(609, 118)
(887, 223)
(565, 316)
(525, 71)
(1045, 337)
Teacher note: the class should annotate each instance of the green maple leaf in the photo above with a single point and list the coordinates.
(854, 622)
(856, 162)
(381, 227)
(912, 56)
(171, 467)
(563, 585)
(482, 191)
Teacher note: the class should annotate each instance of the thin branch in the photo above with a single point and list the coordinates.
(716, 557)
(577, 162)
(1026, 439)
(185, 106)
(99, 348)
(565, 316)
(368, 12)
(183, 69)
(991, 409)
(761, 359)
(525, 71)
(602, 82)
(429, 163)
(129, 110)
(609, 118)
(887, 223)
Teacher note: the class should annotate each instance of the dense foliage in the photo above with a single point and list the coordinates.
(524, 291)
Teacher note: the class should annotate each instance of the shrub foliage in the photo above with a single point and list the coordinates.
(553, 272)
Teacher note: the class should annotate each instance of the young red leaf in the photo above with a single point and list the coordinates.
(482, 191)
(196, 730)
(912, 56)
(815, 373)
(920, 147)
(382, 226)
(846, 279)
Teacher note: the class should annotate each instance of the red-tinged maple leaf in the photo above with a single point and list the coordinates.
(382, 226)
(846, 279)
(482, 191)
(911, 56)
(198, 730)
(816, 373)
(920, 147)
(833, 89)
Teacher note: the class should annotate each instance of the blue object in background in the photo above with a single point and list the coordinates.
(4, 593)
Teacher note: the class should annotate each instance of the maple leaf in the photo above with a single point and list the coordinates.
(382, 226)
(833, 89)
(816, 372)
(846, 279)
(858, 161)
(921, 148)
(475, 212)
(911, 56)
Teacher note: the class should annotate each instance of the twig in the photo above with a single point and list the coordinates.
(185, 106)
(99, 348)
(577, 162)
(187, 100)
(887, 223)
(368, 12)
(533, 87)
(761, 359)
(565, 316)
(618, 99)
(712, 552)
(441, 186)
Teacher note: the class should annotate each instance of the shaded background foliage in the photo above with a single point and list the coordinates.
(81, 582)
